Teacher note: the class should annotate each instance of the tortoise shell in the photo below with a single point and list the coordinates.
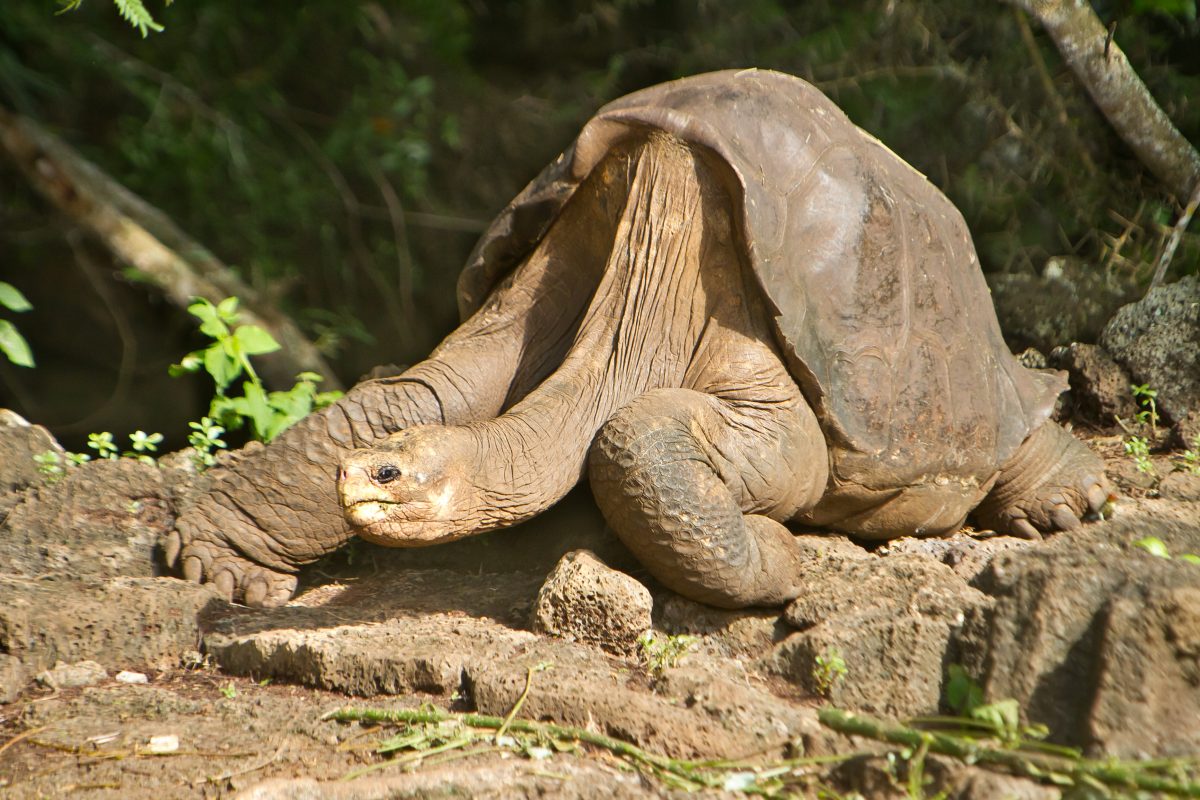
(879, 303)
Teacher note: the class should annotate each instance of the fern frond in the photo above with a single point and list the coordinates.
(135, 13)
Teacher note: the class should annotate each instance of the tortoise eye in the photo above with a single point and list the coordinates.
(386, 474)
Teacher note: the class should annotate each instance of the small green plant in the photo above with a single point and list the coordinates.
(1146, 398)
(1138, 448)
(829, 669)
(205, 438)
(132, 11)
(1001, 719)
(50, 464)
(228, 358)
(141, 445)
(1158, 548)
(12, 343)
(229, 690)
(660, 653)
(1189, 460)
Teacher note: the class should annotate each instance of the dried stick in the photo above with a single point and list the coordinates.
(1164, 260)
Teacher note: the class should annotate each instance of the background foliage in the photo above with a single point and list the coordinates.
(345, 155)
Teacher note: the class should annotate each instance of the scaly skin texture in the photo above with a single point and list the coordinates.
(634, 344)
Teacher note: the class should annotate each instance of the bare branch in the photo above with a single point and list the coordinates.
(1102, 68)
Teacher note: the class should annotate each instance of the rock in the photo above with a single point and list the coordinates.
(888, 623)
(13, 677)
(966, 555)
(103, 518)
(1100, 388)
(583, 600)
(69, 676)
(1068, 302)
(126, 676)
(1096, 638)
(744, 632)
(1180, 485)
(1157, 340)
(1187, 431)
(119, 622)
(19, 443)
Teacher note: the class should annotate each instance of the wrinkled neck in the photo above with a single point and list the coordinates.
(638, 333)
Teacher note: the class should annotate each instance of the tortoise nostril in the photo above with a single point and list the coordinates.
(386, 474)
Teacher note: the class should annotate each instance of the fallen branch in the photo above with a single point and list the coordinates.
(1102, 68)
(140, 235)
(1048, 768)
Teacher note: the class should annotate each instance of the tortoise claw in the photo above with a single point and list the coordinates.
(193, 569)
(1023, 529)
(171, 547)
(1064, 518)
(224, 583)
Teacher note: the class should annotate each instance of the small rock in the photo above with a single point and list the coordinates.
(125, 676)
(583, 600)
(167, 743)
(1180, 485)
(1100, 388)
(66, 676)
(1187, 431)
(1157, 339)
(12, 677)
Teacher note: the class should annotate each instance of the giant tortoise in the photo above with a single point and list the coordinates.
(730, 309)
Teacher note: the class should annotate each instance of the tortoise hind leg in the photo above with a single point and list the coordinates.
(1051, 483)
(675, 472)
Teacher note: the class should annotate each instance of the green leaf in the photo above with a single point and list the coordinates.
(1190, 558)
(254, 340)
(12, 299)
(257, 408)
(227, 309)
(211, 323)
(221, 365)
(1003, 715)
(963, 694)
(1154, 546)
(13, 345)
(135, 14)
(190, 363)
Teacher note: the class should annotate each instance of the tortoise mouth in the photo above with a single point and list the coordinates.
(376, 521)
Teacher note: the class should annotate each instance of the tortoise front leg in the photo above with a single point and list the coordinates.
(697, 487)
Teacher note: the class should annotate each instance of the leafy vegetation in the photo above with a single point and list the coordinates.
(132, 11)
(12, 343)
(829, 668)
(226, 360)
(663, 652)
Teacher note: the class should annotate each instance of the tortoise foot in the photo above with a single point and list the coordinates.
(1052, 483)
(204, 556)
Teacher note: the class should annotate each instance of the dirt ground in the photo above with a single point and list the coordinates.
(234, 699)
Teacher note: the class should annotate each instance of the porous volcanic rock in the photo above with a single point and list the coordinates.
(1157, 341)
(1100, 388)
(890, 621)
(1096, 638)
(19, 443)
(117, 622)
(104, 518)
(1069, 301)
(583, 600)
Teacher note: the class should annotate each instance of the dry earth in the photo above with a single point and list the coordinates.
(1094, 636)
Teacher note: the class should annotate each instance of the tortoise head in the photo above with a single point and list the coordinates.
(412, 489)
